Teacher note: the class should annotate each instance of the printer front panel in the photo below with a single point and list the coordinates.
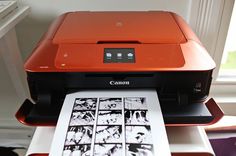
(175, 89)
(195, 85)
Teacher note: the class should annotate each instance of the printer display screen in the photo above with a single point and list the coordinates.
(119, 55)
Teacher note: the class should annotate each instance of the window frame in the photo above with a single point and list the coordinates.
(210, 20)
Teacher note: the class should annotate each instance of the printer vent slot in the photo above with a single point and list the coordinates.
(118, 42)
(119, 75)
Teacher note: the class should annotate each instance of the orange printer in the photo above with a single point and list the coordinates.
(121, 50)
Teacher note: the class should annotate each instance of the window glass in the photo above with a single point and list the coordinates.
(228, 63)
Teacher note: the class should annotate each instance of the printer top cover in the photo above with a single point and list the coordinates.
(80, 41)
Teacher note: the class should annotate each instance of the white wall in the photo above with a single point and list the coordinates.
(10, 100)
(44, 11)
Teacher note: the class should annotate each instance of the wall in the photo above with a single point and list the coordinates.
(10, 100)
(44, 11)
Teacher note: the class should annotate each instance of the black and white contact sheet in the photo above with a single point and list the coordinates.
(138, 134)
(110, 103)
(136, 117)
(108, 134)
(82, 118)
(108, 149)
(135, 103)
(85, 103)
(109, 117)
(79, 135)
(110, 123)
(139, 150)
(77, 150)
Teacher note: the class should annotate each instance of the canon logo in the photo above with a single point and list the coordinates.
(117, 83)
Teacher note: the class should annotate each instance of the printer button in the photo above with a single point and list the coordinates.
(130, 56)
(119, 55)
(108, 55)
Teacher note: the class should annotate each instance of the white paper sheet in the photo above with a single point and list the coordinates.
(110, 123)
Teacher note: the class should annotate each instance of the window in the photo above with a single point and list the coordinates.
(228, 62)
(210, 19)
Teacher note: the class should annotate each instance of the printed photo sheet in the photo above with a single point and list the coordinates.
(110, 123)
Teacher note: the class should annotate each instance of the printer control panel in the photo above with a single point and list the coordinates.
(119, 55)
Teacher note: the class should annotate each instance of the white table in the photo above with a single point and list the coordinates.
(183, 140)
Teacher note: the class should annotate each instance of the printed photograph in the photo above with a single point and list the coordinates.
(85, 104)
(139, 150)
(78, 150)
(136, 117)
(110, 104)
(113, 117)
(108, 134)
(138, 134)
(79, 135)
(82, 118)
(135, 103)
(107, 150)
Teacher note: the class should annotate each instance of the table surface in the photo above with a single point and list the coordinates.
(191, 139)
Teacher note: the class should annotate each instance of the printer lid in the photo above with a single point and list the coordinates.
(73, 43)
(124, 27)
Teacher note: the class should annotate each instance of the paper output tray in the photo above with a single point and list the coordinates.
(194, 114)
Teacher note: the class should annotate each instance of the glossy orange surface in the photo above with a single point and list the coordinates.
(144, 27)
(162, 42)
(89, 57)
